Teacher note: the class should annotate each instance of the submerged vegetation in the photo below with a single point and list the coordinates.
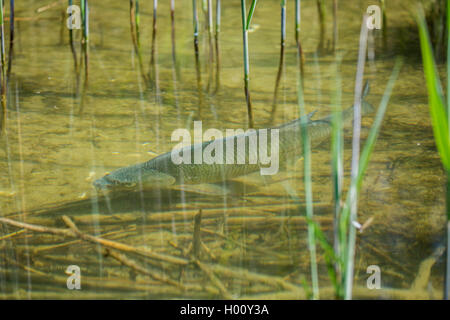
(439, 108)
(247, 244)
(5, 60)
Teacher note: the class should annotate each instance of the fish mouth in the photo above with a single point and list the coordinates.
(102, 184)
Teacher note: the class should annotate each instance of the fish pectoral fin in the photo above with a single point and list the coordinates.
(154, 178)
(204, 188)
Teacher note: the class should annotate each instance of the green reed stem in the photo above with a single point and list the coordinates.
(384, 23)
(337, 159)
(217, 43)
(335, 24)
(281, 63)
(153, 49)
(447, 271)
(439, 118)
(11, 36)
(308, 186)
(3, 68)
(137, 19)
(85, 20)
(246, 64)
(250, 14)
(350, 253)
(72, 45)
(322, 16)
(297, 36)
(448, 65)
(172, 23)
(210, 43)
(197, 55)
(135, 35)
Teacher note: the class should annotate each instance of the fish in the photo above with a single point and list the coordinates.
(162, 172)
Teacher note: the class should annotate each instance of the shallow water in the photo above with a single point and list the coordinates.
(51, 153)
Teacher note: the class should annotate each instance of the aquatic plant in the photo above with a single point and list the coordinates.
(196, 52)
(322, 17)
(217, 43)
(5, 62)
(335, 24)
(153, 76)
(308, 185)
(135, 35)
(440, 114)
(281, 63)
(340, 256)
(246, 20)
(297, 36)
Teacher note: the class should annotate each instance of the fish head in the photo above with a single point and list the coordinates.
(132, 178)
(111, 181)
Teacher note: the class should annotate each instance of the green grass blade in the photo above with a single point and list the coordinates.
(308, 186)
(435, 95)
(337, 159)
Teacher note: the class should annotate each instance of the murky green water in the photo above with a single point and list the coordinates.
(51, 154)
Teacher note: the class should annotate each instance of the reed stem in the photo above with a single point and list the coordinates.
(384, 23)
(217, 43)
(337, 151)
(72, 45)
(322, 15)
(210, 43)
(197, 55)
(11, 37)
(3, 66)
(85, 19)
(246, 64)
(355, 158)
(172, 23)
(297, 37)
(447, 270)
(281, 63)
(152, 76)
(335, 24)
(308, 187)
(134, 28)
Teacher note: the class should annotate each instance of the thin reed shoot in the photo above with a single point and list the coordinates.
(440, 116)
